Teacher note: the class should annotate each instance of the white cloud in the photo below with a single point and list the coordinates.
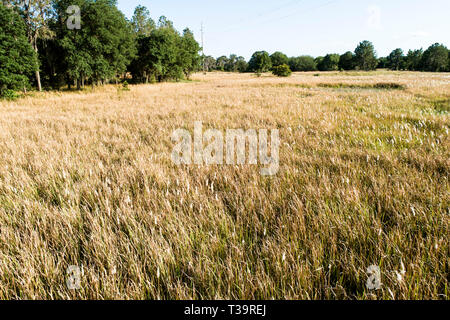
(374, 17)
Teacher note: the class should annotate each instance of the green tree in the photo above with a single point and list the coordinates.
(221, 63)
(302, 63)
(163, 22)
(365, 56)
(382, 63)
(318, 61)
(278, 59)
(35, 14)
(241, 64)
(396, 60)
(347, 61)
(414, 60)
(141, 67)
(189, 57)
(160, 55)
(329, 63)
(231, 63)
(210, 63)
(260, 62)
(435, 58)
(141, 21)
(102, 49)
(77, 59)
(17, 58)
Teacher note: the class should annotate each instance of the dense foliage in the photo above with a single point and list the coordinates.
(17, 58)
(329, 63)
(105, 48)
(282, 70)
(347, 61)
(434, 59)
(278, 58)
(260, 62)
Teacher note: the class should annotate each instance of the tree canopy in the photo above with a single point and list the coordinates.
(396, 61)
(278, 58)
(414, 60)
(347, 61)
(165, 54)
(302, 63)
(329, 63)
(141, 22)
(260, 62)
(435, 58)
(102, 49)
(365, 56)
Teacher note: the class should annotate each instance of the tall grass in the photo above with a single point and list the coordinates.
(86, 179)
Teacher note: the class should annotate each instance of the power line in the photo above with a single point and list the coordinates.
(298, 12)
(268, 12)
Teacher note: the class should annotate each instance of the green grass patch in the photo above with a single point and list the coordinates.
(379, 86)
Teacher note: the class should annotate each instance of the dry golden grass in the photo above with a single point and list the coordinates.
(86, 179)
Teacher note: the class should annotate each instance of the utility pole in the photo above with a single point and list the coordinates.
(203, 50)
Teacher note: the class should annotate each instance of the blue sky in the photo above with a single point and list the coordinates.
(298, 27)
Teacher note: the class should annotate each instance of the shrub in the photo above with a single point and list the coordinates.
(282, 71)
(8, 94)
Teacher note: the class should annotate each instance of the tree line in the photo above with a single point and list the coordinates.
(436, 58)
(38, 48)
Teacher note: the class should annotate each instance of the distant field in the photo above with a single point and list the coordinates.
(86, 179)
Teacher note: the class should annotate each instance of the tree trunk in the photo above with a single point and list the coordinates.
(38, 74)
(38, 80)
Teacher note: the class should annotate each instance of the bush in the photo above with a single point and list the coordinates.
(282, 71)
(8, 94)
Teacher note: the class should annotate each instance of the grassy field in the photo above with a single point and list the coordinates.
(86, 179)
